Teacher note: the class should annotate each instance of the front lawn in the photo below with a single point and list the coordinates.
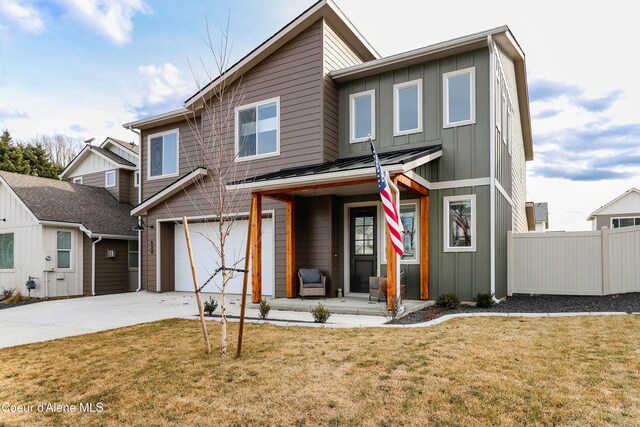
(469, 371)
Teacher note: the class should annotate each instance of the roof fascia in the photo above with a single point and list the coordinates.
(601, 208)
(160, 119)
(169, 191)
(115, 144)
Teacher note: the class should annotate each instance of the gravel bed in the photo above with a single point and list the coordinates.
(626, 303)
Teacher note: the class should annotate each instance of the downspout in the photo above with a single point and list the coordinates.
(492, 164)
(139, 217)
(93, 265)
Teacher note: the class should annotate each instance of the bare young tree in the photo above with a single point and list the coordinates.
(213, 132)
(60, 149)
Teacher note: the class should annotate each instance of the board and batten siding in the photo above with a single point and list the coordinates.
(518, 174)
(337, 54)
(63, 282)
(292, 73)
(465, 148)
(91, 164)
(28, 258)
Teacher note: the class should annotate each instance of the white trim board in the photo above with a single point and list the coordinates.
(504, 193)
(177, 186)
(443, 185)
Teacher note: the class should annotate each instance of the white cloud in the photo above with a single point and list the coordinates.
(7, 112)
(111, 18)
(26, 16)
(165, 87)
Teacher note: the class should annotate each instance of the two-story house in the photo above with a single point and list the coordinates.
(77, 237)
(450, 123)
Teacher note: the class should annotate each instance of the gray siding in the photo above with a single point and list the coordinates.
(605, 220)
(504, 218)
(465, 148)
(122, 189)
(337, 54)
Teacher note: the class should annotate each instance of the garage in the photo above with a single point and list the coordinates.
(207, 260)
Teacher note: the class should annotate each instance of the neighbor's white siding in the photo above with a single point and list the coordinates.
(91, 164)
(27, 240)
(63, 282)
(628, 204)
(518, 163)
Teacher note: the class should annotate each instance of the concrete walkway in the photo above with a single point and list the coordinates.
(50, 320)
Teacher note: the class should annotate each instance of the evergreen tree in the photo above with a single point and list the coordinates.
(11, 156)
(39, 163)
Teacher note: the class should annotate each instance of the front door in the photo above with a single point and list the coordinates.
(363, 248)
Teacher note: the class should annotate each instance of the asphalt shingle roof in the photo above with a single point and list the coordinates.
(54, 200)
(113, 156)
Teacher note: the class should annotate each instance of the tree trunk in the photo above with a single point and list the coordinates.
(223, 310)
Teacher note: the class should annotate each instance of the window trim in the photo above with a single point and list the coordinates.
(13, 260)
(383, 231)
(445, 206)
(623, 217)
(129, 252)
(155, 135)
(106, 179)
(352, 128)
(76, 180)
(396, 109)
(445, 98)
(136, 179)
(236, 133)
(70, 250)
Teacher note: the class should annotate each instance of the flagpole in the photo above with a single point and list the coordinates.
(397, 202)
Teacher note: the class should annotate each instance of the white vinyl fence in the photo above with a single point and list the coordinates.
(574, 263)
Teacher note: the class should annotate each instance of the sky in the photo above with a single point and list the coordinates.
(81, 68)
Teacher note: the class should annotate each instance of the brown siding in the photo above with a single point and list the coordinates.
(86, 264)
(112, 274)
(133, 190)
(316, 238)
(123, 182)
(292, 73)
(167, 262)
(337, 54)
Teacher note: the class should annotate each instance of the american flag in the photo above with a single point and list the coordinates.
(390, 208)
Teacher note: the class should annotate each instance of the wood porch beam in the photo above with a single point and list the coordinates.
(280, 197)
(291, 249)
(424, 247)
(407, 182)
(268, 193)
(256, 248)
(391, 262)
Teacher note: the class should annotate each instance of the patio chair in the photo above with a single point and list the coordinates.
(378, 288)
(312, 283)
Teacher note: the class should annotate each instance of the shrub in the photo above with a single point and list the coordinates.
(449, 300)
(320, 313)
(6, 293)
(265, 307)
(210, 306)
(15, 297)
(484, 300)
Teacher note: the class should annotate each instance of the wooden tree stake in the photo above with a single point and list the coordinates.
(245, 278)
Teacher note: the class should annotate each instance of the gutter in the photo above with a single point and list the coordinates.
(93, 265)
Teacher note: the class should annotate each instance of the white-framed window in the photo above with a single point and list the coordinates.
(258, 129)
(133, 254)
(459, 97)
(163, 154)
(407, 107)
(459, 223)
(136, 179)
(410, 218)
(362, 113)
(63, 247)
(629, 221)
(6, 251)
(110, 179)
(77, 180)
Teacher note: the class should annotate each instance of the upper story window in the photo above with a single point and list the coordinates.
(362, 116)
(258, 129)
(136, 179)
(407, 103)
(460, 223)
(64, 249)
(163, 154)
(110, 179)
(77, 180)
(625, 222)
(459, 97)
(6, 251)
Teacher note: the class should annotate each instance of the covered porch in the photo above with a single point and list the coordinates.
(358, 305)
(335, 223)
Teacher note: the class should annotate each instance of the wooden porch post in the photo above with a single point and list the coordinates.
(256, 248)
(291, 249)
(391, 263)
(424, 247)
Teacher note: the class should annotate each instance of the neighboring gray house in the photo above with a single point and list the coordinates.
(75, 239)
(623, 211)
(537, 216)
(451, 124)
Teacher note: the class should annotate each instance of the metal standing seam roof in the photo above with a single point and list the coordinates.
(60, 201)
(113, 156)
(341, 165)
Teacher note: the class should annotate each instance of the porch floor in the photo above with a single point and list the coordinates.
(345, 305)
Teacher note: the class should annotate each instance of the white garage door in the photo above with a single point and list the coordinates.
(207, 260)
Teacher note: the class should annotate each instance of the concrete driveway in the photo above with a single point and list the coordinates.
(50, 320)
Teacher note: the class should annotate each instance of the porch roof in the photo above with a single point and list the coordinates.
(346, 169)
